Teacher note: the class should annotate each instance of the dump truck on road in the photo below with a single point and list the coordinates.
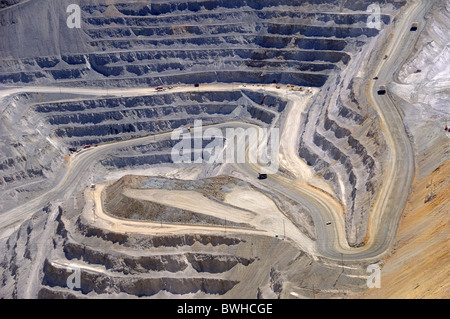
(381, 90)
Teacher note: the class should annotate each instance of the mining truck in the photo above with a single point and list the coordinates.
(381, 90)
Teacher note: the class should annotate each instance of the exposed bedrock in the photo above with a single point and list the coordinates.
(133, 265)
(8, 3)
(128, 264)
(316, 43)
(48, 125)
(143, 62)
(120, 205)
(128, 78)
(130, 208)
(101, 283)
(87, 230)
(125, 264)
(165, 8)
(21, 253)
(23, 175)
(342, 142)
(215, 263)
(101, 120)
(176, 42)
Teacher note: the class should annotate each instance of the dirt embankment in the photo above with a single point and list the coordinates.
(118, 204)
(417, 267)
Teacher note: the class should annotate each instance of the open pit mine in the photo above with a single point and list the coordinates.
(120, 178)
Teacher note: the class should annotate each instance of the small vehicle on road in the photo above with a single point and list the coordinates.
(262, 176)
(328, 223)
(381, 90)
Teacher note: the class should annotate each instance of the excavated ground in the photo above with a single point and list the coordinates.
(133, 44)
(417, 267)
(323, 44)
(120, 204)
(49, 129)
(227, 264)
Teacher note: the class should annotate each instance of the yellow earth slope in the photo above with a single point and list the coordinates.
(418, 265)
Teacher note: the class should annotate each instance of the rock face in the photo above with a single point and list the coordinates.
(422, 91)
(8, 3)
(28, 161)
(49, 129)
(115, 265)
(132, 44)
(123, 44)
(341, 141)
(126, 44)
(95, 121)
(426, 72)
(118, 204)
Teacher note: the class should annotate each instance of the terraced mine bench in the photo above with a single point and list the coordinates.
(129, 44)
(132, 45)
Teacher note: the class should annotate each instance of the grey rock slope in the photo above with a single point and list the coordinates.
(38, 135)
(182, 42)
(131, 44)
